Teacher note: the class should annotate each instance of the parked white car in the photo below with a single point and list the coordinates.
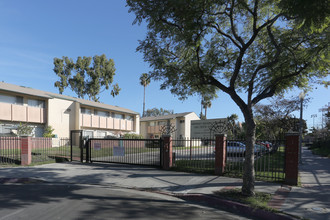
(237, 149)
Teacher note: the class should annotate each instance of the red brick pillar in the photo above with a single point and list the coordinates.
(167, 152)
(26, 145)
(220, 153)
(291, 158)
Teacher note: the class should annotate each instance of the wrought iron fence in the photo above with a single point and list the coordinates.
(198, 155)
(10, 150)
(50, 149)
(127, 151)
(269, 159)
(194, 155)
(42, 150)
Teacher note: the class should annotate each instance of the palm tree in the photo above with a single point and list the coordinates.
(232, 123)
(206, 103)
(144, 81)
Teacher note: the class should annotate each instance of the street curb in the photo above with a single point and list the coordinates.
(220, 203)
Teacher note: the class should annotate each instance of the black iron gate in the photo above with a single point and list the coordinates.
(77, 146)
(126, 151)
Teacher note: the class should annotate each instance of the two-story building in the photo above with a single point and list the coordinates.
(151, 127)
(39, 109)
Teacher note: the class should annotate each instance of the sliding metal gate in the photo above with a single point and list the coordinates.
(126, 151)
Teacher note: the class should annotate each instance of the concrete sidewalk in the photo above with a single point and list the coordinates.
(310, 201)
(129, 176)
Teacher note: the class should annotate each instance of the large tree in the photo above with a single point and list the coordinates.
(157, 112)
(144, 81)
(276, 118)
(84, 77)
(249, 49)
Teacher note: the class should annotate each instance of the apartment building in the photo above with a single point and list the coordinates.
(39, 109)
(151, 127)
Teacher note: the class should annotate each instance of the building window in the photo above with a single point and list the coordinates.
(101, 113)
(86, 111)
(162, 123)
(36, 103)
(152, 123)
(129, 118)
(17, 100)
(181, 121)
(88, 134)
(119, 116)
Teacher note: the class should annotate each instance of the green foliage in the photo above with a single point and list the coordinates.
(144, 79)
(276, 119)
(158, 112)
(132, 136)
(48, 132)
(234, 130)
(201, 116)
(321, 147)
(250, 50)
(239, 47)
(84, 77)
(312, 15)
(260, 200)
(24, 130)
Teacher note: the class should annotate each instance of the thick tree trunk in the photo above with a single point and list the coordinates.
(249, 175)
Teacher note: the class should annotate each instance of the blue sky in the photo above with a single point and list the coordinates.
(33, 32)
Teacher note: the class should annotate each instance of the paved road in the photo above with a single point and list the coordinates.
(76, 201)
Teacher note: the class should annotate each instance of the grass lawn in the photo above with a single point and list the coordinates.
(269, 167)
(260, 200)
(194, 166)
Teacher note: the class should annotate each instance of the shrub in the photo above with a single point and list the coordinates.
(132, 136)
(24, 129)
(49, 132)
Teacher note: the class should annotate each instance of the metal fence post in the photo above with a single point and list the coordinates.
(87, 151)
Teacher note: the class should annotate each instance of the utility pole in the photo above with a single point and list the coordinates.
(314, 116)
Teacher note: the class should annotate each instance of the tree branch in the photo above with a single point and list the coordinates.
(271, 89)
(230, 91)
(231, 12)
(265, 65)
(217, 28)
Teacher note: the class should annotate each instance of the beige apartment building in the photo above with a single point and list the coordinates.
(39, 109)
(150, 127)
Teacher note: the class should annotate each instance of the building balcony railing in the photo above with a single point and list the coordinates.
(20, 113)
(100, 122)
